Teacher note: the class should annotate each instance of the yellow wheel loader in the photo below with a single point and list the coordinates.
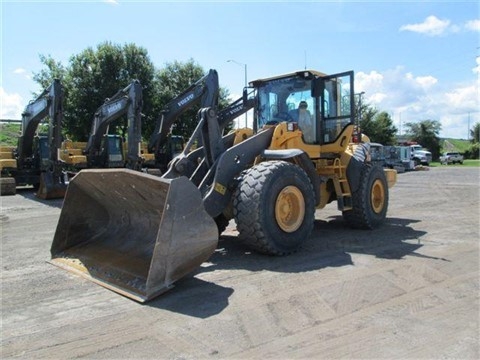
(137, 234)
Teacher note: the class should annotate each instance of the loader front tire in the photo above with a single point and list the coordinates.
(370, 200)
(274, 207)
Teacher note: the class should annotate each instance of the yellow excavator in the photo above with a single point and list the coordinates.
(137, 234)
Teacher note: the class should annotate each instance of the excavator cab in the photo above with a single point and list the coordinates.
(112, 151)
(169, 150)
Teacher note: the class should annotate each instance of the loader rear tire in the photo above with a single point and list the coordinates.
(370, 200)
(222, 223)
(274, 207)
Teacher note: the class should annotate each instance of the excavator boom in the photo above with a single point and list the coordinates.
(127, 101)
(33, 167)
(204, 91)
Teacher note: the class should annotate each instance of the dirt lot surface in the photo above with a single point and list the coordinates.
(408, 290)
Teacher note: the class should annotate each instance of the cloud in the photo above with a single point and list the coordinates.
(476, 69)
(462, 98)
(431, 26)
(11, 105)
(473, 25)
(426, 81)
(113, 2)
(22, 72)
(408, 97)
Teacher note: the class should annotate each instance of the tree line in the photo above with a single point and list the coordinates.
(93, 75)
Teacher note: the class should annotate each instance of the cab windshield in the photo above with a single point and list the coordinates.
(288, 99)
(321, 119)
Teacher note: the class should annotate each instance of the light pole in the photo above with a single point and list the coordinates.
(245, 70)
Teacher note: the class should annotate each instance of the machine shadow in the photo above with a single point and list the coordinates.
(330, 245)
(194, 297)
(29, 193)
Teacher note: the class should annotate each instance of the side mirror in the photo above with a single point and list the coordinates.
(318, 87)
(245, 96)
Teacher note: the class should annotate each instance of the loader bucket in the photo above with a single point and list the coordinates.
(50, 187)
(132, 232)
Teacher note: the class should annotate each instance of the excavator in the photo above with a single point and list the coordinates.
(105, 150)
(37, 161)
(137, 234)
(162, 143)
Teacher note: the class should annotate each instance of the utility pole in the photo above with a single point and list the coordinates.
(245, 71)
(400, 119)
(468, 127)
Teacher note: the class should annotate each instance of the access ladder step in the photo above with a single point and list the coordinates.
(344, 195)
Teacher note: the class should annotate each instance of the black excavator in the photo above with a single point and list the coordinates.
(163, 144)
(37, 161)
(105, 150)
(137, 234)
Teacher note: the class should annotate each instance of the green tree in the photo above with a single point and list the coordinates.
(174, 79)
(97, 74)
(473, 152)
(426, 134)
(54, 70)
(378, 126)
(475, 133)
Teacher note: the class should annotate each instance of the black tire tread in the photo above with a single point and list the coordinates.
(360, 216)
(248, 217)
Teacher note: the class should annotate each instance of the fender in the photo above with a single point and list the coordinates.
(300, 158)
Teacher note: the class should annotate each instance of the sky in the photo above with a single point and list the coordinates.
(416, 60)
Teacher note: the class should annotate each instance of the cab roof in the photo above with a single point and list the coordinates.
(306, 74)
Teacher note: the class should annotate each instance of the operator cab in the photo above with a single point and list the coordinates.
(113, 151)
(321, 105)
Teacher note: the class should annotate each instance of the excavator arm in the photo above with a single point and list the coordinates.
(126, 101)
(204, 91)
(34, 166)
(48, 103)
(235, 109)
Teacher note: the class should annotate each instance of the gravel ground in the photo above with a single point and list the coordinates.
(408, 290)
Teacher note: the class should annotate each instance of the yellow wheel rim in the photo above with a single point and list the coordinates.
(378, 196)
(290, 209)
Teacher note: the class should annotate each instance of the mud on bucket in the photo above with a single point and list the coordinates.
(132, 232)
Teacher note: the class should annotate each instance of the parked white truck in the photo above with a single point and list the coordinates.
(420, 156)
(451, 157)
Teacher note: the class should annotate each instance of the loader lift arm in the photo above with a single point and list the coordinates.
(127, 101)
(205, 91)
(186, 163)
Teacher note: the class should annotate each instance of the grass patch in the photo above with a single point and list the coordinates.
(466, 163)
(9, 133)
(459, 145)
